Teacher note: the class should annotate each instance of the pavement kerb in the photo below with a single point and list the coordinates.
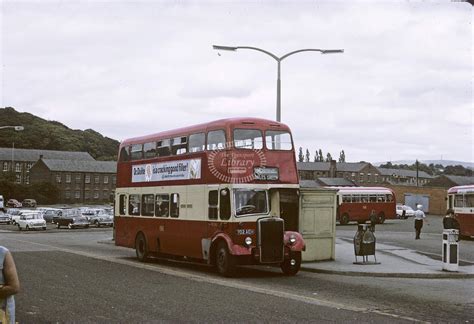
(441, 275)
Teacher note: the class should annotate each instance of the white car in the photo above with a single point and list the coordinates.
(31, 221)
(409, 212)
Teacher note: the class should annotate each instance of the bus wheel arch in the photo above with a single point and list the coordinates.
(141, 247)
(344, 219)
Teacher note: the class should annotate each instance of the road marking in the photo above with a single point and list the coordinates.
(224, 282)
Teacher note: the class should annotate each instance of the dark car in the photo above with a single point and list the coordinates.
(29, 203)
(72, 222)
(5, 218)
(49, 214)
(13, 203)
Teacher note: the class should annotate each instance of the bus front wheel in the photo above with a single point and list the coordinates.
(344, 219)
(292, 265)
(224, 260)
(141, 247)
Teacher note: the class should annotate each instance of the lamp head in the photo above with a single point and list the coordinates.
(224, 48)
(19, 128)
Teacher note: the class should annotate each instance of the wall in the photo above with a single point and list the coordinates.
(437, 196)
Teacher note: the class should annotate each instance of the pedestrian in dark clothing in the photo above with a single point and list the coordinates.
(449, 221)
(373, 220)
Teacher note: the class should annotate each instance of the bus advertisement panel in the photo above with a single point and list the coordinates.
(224, 193)
(461, 200)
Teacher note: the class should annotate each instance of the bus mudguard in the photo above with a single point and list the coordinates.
(234, 249)
(294, 241)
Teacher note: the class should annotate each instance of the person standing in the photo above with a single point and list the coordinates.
(419, 217)
(449, 222)
(9, 286)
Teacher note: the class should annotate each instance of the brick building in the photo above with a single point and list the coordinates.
(448, 181)
(405, 177)
(359, 173)
(79, 181)
(20, 161)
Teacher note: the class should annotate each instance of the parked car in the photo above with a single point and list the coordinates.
(101, 219)
(13, 203)
(2, 203)
(72, 221)
(5, 218)
(409, 212)
(31, 221)
(49, 213)
(29, 203)
(14, 214)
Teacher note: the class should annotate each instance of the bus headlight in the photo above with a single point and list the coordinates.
(292, 239)
(248, 241)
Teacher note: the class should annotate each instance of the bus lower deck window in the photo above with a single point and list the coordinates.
(148, 203)
(174, 205)
(162, 205)
(134, 205)
(122, 204)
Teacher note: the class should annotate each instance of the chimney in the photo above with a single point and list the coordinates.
(332, 169)
(41, 156)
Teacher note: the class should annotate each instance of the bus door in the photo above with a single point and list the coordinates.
(218, 212)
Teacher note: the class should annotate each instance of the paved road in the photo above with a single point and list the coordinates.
(69, 276)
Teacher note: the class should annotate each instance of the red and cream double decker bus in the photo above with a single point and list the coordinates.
(461, 200)
(224, 193)
(357, 204)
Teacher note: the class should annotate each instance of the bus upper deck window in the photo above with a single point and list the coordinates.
(163, 147)
(216, 140)
(137, 151)
(197, 142)
(248, 138)
(124, 154)
(149, 150)
(278, 140)
(179, 145)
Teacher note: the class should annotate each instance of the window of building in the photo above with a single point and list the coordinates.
(179, 145)
(105, 194)
(148, 205)
(28, 166)
(134, 205)
(149, 150)
(27, 179)
(376, 177)
(5, 166)
(58, 178)
(197, 142)
(96, 179)
(162, 205)
(174, 205)
(87, 178)
(67, 194)
(68, 178)
(163, 147)
(78, 178)
(87, 194)
(96, 194)
(216, 140)
(106, 179)
(114, 180)
(361, 177)
(248, 138)
(77, 194)
(18, 178)
(18, 167)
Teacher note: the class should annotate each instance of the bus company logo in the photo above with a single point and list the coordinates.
(235, 167)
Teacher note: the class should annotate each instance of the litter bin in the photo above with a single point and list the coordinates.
(450, 250)
(364, 243)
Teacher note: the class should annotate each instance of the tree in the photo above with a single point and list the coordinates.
(320, 158)
(342, 157)
(328, 157)
(300, 155)
(308, 156)
(316, 157)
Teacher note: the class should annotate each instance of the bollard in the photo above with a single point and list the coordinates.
(450, 250)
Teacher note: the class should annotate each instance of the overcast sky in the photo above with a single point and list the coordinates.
(401, 90)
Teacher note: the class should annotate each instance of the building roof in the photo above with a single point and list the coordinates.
(404, 173)
(309, 184)
(461, 180)
(80, 166)
(27, 155)
(324, 166)
(336, 182)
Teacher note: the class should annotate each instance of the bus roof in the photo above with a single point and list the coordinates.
(362, 190)
(245, 122)
(461, 189)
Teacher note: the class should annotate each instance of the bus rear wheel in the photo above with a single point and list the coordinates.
(225, 263)
(292, 265)
(381, 218)
(141, 247)
(344, 219)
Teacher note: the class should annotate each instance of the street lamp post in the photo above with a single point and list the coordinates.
(16, 128)
(278, 59)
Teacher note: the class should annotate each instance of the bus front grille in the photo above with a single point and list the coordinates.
(270, 239)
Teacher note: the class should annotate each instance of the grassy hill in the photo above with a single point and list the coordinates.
(52, 135)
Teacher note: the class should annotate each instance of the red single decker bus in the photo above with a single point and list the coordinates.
(224, 193)
(357, 204)
(461, 200)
